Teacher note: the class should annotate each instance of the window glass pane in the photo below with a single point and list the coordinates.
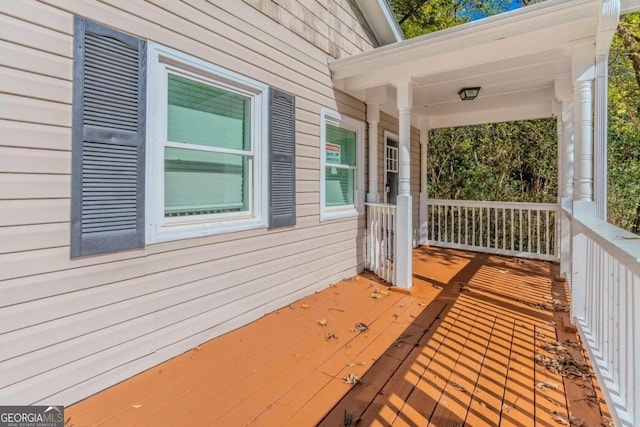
(339, 186)
(200, 183)
(206, 115)
(341, 146)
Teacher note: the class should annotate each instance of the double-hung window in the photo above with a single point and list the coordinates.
(206, 153)
(168, 146)
(342, 170)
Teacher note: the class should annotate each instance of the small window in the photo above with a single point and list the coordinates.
(342, 159)
(206, 151)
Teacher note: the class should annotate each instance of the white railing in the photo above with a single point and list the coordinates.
(605, 306)
(527, 230)
(381, 225)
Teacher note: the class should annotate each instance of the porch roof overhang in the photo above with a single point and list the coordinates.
(519, 58)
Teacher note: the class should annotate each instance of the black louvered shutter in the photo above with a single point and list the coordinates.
(282, 151)
(107, 194)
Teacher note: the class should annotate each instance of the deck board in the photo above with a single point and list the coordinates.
(458, 351)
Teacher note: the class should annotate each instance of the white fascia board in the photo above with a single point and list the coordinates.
(381, 20)
(553, 16)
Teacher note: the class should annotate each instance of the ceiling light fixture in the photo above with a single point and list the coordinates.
(469, 93)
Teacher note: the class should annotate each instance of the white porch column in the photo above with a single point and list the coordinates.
(404, 226)
(600, 140)
(373, 118)
(424, 191)
(583, 166)
(566, 187)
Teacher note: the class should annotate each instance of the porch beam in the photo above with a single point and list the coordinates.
(404, 226)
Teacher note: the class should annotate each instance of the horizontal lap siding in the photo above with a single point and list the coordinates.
(70, 328)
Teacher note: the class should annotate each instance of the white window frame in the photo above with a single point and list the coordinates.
(336, 119)
(161, 61)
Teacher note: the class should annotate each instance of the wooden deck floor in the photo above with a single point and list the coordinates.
(459, 351)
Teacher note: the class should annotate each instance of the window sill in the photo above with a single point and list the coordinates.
(169, 233)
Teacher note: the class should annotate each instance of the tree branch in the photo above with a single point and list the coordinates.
(412, 11)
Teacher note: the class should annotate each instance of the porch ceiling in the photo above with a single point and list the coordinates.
(516, 58)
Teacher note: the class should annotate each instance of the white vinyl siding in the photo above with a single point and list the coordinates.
(69, 328)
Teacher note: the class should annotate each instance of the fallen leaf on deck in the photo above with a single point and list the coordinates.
(322, 322)
(397, 344)
(350, 365)
(351, 379)
(198, 347)
(136, 406)
(362, 363)
(555, 402)
(458, 387)
(607, 422)
(464, 289)
(383, 292)
(559, 417)
(422, 304)
(540, 335)
(361, 327)
(349, 421)
(375, 295)
(304, 305)
(482, 404)
(329, 336)
(564, 364)
(553, 347)
(577, 422)
(394, 315)
(543, 385)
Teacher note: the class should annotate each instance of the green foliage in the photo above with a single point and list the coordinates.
(517, 161)
(624, 125)
(418, 17)
(510, 161)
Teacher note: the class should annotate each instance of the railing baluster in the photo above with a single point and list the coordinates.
(459, 224)
(537, 231)
(520, 231)
(439, 225)
(480, 236)
(512, 248)
(473, 224)
(496, 241)
(466, 226)
(529, 228)
(546, 232)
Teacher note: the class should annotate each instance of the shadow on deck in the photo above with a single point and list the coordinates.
(459, 351)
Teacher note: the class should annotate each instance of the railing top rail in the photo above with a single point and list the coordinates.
(380, 205)
(505, 205)
(621, 244)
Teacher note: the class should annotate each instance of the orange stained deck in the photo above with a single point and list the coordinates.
(458, 351)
